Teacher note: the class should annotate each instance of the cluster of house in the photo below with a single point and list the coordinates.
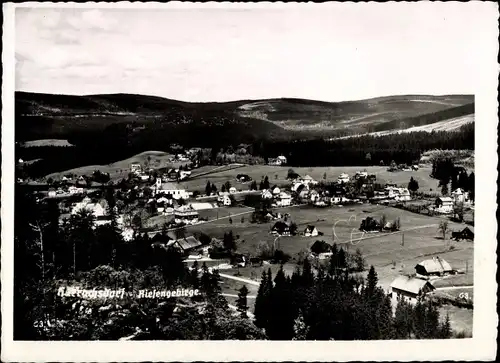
(392, 192)
(167, 175)
(278, 197)
(279, 161)
(283, 228)
(446, 205)
(411, 288)
(65, 191)
(402, 167)
(99, 210)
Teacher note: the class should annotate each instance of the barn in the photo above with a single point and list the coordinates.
(433, 267)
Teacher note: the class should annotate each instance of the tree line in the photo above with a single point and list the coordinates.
(333, 305)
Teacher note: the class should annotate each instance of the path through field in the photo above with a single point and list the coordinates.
(454, 287)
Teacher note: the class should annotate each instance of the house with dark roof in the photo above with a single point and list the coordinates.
(433, 267)
(186, 244)
(466, 234)
(310, 231)
(409, 289)
(281, 228)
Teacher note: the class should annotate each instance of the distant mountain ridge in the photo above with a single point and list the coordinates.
(41, 115)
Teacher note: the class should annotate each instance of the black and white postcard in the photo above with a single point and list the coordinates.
(235, 182)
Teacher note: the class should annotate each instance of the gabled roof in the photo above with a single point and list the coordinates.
(307, 177)
(281, 226)
(309, 229)
(445, 199)
(410, 284)
(187, 243)
(435, 265)
(171, 186)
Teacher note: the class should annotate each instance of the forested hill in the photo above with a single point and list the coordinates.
(152, 120)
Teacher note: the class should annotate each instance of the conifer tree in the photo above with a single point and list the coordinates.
(262, 302)
(241, 302)
(445, 330)
(403, 320)
(300, 328)
(194, 275)
(281, 319)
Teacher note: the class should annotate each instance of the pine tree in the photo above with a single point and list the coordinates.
(266, 182)
(359, 261)
(261, 309)
(403, 320)
(371, 282)
(208, 188)
(300, 328)
(445, 330)
(241, 302)
(205, 280)
(281, 318)
(195, 282)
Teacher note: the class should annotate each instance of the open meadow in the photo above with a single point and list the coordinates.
(390, 253)
(277, 175)
(120, 169)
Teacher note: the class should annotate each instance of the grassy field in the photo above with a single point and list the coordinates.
(47, 142)
(421, 237)
(120, 169)
(460, 319)
(277, 175)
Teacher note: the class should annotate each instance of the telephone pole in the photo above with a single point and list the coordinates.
(402, 239)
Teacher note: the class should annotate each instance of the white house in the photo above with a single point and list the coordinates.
(409, 289)
(96, 208)
(444, 205)
(276, 191)
(266, 194)
(337, 199)
(314, 195)
(361, 174)
(297, 185)
(343, 178)
(460, 196)
(175, 190)
(282, 160)
(52, 193)
(135, 168)
(75, 190)
(311, 231)
(307, 180)
(224, 199)
(284, 199)
(185, 214)
(232, 190)
(403, 194)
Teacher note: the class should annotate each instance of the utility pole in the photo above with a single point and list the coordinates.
(402, 239)
(466, 266)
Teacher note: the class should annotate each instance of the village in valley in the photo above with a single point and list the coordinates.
(244, 219)
(241, 173)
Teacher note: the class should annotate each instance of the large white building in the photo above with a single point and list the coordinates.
(174, 189)
(96, 208)
(343, 178)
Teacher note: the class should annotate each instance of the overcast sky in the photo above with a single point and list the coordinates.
(325, 53)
